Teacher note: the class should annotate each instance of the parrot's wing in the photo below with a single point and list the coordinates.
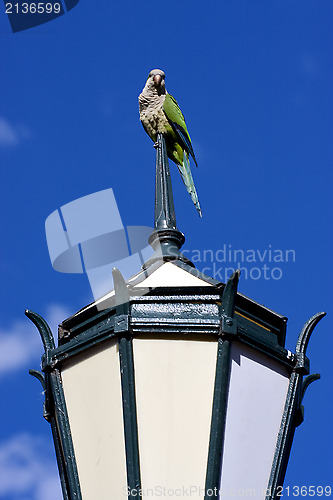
(177, 120)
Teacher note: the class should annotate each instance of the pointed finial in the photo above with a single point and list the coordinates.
(166, 239)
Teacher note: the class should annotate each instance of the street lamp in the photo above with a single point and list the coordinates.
(173, 384)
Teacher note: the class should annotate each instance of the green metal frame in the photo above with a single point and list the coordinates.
(293, 410)
(221, 388)
(128, 385)
(213, 309)
(50, 418)
(206, 311)
(55, 412)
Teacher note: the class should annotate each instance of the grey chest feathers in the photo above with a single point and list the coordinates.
(153, 117)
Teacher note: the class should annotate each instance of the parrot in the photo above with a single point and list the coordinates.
(160, 113)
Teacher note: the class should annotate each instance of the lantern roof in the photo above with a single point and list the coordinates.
(169, 275)
(177, 281)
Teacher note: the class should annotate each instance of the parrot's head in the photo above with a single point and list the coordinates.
(156, 81)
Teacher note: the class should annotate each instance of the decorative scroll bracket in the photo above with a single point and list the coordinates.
(55, 412)
(293, 410)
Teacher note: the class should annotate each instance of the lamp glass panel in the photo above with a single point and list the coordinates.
(257, 393)
(174, 382)
(92, 390)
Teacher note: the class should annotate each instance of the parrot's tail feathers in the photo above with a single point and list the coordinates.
(185, 172)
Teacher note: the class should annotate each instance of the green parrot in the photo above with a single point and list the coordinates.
(160, 113)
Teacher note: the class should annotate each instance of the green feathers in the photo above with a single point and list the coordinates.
(177, 121)
(173, 112)
(179, 146)
(160, 113)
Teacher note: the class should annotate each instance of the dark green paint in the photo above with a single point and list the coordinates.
(166, 239)
(51, 419)
(39, 376)
(291, 415)
(205, 311)
(307, 381)
(60, 460)
(43, 329)
(55, 412)
(219, 411)
(90, 319)
(169, 310)
(299, 418)
(92, 337)
(221, 388)
(129, 415)
(63, 439)
(127, 385)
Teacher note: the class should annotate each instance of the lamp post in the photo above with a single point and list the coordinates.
(173, 384)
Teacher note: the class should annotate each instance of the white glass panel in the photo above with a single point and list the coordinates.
(257, 393)
(171, 275)
(174, 393)
(92, 390)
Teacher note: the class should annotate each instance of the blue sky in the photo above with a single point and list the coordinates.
(254, 80)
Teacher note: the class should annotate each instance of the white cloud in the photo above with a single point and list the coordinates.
(21, 345)
(55, 314)
(8, 135)
(28, 470)
(12, 135)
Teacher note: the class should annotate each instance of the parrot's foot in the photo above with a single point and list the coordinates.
(156, 145)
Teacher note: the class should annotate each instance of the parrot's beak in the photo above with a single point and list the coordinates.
(157, 80)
